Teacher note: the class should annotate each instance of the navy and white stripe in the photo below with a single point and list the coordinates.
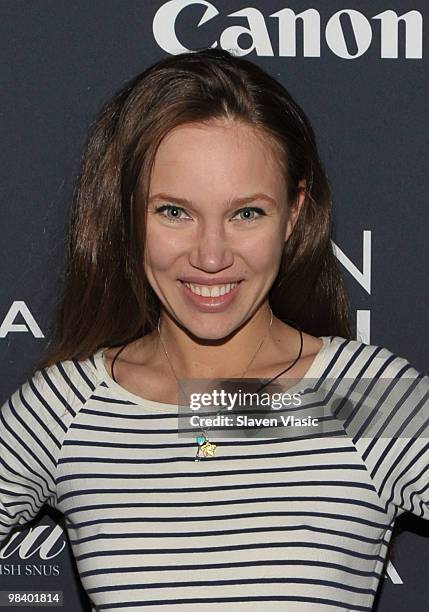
(302, 522)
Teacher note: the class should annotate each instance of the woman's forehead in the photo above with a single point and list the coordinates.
(216, 154)
(234, 132)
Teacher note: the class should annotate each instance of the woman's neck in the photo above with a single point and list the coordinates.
(195, 358)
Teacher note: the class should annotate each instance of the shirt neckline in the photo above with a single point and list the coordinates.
(313, 372)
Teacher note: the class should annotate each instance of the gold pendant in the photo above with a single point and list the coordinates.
(206, 447)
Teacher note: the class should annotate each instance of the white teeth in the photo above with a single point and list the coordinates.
(211, 290)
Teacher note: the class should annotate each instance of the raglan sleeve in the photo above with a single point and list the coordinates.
(33, 423)
(394, 437)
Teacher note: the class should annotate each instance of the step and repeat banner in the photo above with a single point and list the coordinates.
(360, 71)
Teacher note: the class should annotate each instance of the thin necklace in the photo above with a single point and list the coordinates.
(248, 365)
(205, 446)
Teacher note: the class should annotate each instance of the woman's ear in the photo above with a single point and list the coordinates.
(294, 208)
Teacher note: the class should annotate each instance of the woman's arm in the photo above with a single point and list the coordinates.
(33, 424)
(392, 436)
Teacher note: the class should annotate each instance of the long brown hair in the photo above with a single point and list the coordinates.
(107, 300)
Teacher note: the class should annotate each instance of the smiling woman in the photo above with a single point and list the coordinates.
(200, 248)
(233, 130)
(223, 232)
(201, 177)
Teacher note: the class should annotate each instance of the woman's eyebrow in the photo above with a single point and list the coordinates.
(169, 198)
(236, 201)
(255, 197)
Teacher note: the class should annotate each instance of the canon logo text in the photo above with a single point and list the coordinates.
(338, 31)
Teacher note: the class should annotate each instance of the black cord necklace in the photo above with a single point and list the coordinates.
(205, 446)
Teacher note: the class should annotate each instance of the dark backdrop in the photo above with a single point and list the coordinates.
(365, 90)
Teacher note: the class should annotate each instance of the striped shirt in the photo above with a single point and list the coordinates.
(302, 521)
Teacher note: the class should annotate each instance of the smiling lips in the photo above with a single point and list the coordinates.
(211, 298)
(211, 290)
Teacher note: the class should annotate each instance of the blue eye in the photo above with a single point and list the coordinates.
(260, 212)
(170, 208)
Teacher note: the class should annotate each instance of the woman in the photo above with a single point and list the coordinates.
(201, 249)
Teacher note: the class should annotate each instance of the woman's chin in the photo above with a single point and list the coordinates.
(208, 330)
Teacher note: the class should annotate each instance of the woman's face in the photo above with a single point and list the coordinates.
(217, 215)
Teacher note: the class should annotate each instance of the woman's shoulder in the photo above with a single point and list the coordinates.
(61, 387)
(374, 391)
(356, 356)
(49, 399)
(78, 374)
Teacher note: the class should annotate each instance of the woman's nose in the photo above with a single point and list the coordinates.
(211, 251)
